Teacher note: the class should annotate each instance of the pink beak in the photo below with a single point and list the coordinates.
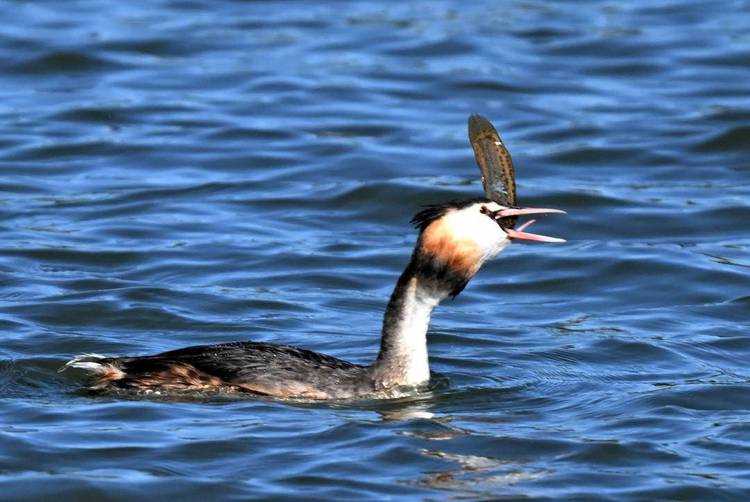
(526, 236)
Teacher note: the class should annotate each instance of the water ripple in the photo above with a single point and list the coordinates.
(176, 175)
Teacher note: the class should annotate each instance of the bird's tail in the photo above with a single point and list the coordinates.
(95, 363)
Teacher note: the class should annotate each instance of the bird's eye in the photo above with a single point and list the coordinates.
(488, 212)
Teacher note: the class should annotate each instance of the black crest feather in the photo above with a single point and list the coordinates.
(433, 212)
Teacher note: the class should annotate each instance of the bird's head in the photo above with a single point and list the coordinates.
(457, 237)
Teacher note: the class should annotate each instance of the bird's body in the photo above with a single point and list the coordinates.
(258, 368)
(455, 239)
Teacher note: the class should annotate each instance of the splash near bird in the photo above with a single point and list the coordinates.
(455, 239)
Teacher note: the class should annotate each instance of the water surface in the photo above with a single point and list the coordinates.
(184, 172)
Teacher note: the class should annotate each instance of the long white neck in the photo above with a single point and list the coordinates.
(452, 246)
(403, 358)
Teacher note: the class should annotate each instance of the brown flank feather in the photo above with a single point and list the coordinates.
(177, 376)
(185, 377)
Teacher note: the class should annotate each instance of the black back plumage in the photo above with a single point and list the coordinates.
(234, 362)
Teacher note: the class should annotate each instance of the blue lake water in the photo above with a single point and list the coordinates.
(184, 172)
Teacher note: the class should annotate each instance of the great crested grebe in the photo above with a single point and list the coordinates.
(455, 239)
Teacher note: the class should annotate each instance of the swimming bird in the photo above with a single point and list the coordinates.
(455, 239)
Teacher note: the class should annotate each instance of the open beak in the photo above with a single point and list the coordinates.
(526, 236)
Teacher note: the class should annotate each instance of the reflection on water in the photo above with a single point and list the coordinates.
(475, 476)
